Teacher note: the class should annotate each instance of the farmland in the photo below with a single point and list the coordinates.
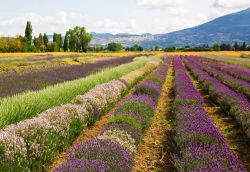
(125, 112)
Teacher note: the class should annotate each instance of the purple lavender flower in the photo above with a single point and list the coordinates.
(202, 146)
(142, 98)
(103, 150)
(149, 88)
(82, 165)
(134, 132)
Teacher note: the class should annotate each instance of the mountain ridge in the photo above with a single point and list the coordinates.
(234, 27)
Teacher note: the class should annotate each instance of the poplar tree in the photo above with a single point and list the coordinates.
(28, 32)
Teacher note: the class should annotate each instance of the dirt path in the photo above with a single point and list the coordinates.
(152, 154)
(235, 137)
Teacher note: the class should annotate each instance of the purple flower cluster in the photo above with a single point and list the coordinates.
(141, 98)
(150, 88)
(183, 83)
(16, 83)
(231, 101)
(116, 145)
(208, 157)
(33, 143)
(202, 146)
(82, 166)
(112, 154)
(132, 131)
(215, 70)
(234, 70)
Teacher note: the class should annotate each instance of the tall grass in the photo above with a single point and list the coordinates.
(27, 105)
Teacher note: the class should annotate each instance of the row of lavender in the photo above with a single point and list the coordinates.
(15, 83)
(114, 148)
(215, 70)
(202, 147)
(234, 70)
(230, 101)
(33, 143)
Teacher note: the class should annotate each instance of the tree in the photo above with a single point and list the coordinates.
(170, 49)
(135, 48)
(57, 39)
(77, 39)
(157, 48)
(236, 46)
(12, 44)
(45, 39)
(54, 47)
(244, 47)
(28, 32)
(36, 42)
(225, 47)
(39, 43)
(216, 47)
(66, 42)
(114, 47)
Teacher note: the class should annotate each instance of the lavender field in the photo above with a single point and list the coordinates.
(15, 83)
(158, 112)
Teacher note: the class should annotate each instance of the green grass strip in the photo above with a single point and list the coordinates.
(27, 105)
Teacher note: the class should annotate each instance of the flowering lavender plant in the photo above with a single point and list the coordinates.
(202, 147)
(82, 165)
(112, 154)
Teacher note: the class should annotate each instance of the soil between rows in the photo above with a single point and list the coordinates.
(154, 152)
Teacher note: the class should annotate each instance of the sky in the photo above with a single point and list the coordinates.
(111, 16)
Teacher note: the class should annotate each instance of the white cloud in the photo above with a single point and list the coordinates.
(40, 23)
(172, 7)
(231, 4)
(77, 16)
(159, 3)
(109, 25)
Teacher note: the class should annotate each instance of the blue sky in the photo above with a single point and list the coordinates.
(114, 16)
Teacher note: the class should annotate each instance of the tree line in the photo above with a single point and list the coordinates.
(75, 40)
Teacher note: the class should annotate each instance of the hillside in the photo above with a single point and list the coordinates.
(225, 29)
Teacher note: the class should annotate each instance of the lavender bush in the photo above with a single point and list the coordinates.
(16, 83)
(202, 147)
(82, 166)
(32, 143)
(112, 154)
(117, 143)
(212, 69)
(231, 102)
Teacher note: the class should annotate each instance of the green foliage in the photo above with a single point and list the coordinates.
(137, 108)
(114, 47)
(28, 32)
(77, 39)
(57, 40)
(170, 49)
(45, 39)
(39, 43)
(134, 48)
(96, 49)
(55, 47)
(155, 79)
(27, 105)
(127, 120)
(216, 47)
(225, 47)
(66, 42)
(17, 44)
